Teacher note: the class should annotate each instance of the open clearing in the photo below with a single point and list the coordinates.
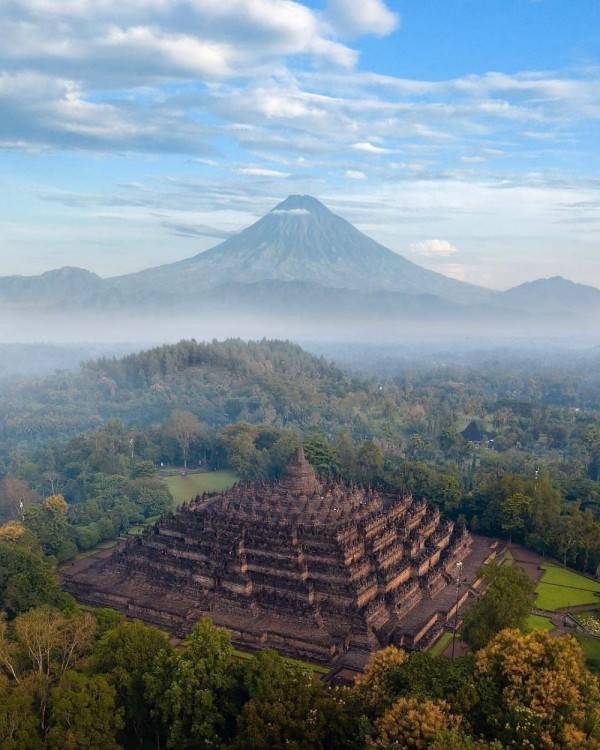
(560, 588)
(187, 486)
(441, 644)
(537, 622)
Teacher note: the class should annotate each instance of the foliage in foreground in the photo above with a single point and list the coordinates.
(65, 684)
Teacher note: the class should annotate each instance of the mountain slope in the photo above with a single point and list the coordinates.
(300, 240)
(555, 295)
(53, 288)
(299, 267)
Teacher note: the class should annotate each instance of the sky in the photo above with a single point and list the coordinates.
(464, 134)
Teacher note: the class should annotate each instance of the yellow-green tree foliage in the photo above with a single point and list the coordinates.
(412, 725)
(537, 693)
(373, 686)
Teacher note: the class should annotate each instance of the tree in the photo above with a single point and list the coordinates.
(515, 509)
(125, 654)
(15, 533)
(534, 691)
(454, 739)
(13, 492)
(412, 725)
(375, 686)
(26, 581)
(48, 522)
(19, 724)
(370, 461)
(83, 714)
(322, 456)
(287, 707)
(505, 604)
(420, 676)
(184, 426)
(195, 702)
(345, 455)
(47, 644)
(242, 454)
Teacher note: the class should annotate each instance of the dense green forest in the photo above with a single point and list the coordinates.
(74, 678)
(81, 457)
(511, 453)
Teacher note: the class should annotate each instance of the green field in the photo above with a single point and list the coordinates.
(440, 645)
(560, 588)
(184, 488)
(537, 622)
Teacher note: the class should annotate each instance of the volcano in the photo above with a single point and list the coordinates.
(300, 240)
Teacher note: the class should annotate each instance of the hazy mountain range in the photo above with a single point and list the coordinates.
(302, 262)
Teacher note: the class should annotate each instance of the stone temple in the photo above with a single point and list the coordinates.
(323, 571)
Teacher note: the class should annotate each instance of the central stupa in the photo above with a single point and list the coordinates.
(315, 569)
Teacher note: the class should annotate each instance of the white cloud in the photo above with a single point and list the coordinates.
(293, 211)
(433, 248)
(144, 41)
(358, 17)
(261, 172)
(54, 112)
(370, 148)
(355, 174)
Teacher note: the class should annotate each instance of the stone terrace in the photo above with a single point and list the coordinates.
(327, 571)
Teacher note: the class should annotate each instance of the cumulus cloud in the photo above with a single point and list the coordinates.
(262, 172)
(355, 174)
(433, 248)
(149, 40)
(371, 148)
(357, 17)
(45, 111)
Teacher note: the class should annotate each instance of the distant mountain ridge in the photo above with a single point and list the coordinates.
(553, 295)
(301, 240)
(299, 261)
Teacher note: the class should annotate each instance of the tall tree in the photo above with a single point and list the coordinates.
(287, 707)
(412, 725)
(196, 699)
(505, 604)
(515, 510)
(534, 691)
(15, 494)
(125, 654)
(83, 714)
(48, 522)
(184, 427)
(47, 644)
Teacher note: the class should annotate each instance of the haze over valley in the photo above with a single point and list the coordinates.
(300, 271)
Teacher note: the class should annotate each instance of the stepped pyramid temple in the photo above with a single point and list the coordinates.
(323, 571)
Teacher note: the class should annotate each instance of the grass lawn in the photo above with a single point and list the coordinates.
(184, 488)
(591, 647)
(138, 528)
(537, 622)
(89, 552)
(317, 668)
(564, 588)
(440, 645)
(508, 558)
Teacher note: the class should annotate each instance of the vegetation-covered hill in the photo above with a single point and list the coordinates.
(533, 472)
(221, 382)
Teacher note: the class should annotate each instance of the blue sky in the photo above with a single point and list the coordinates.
(461, 134)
